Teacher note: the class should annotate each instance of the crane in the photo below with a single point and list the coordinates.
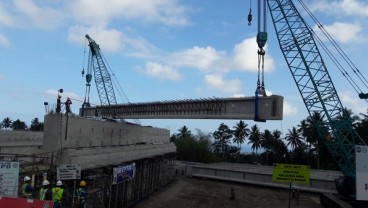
(96, 63)
(298, 44)
(104, 79)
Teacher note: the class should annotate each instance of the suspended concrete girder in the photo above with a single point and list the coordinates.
(269, 108)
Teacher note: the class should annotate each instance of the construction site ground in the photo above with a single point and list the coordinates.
(204, 193)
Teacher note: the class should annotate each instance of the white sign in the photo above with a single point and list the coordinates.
(68, 171)
(9, 177)
(361, 154)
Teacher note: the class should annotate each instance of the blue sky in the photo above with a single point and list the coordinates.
(161, 50)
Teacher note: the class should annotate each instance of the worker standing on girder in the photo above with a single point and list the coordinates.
(58, 104)
(68, 102)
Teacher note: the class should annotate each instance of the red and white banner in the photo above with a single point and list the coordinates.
(9, 202)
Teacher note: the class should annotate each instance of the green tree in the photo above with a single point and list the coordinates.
(222, 138)
(36, 125)
(241, 132)
(6, 123)
(18, 125)
(184, 132)
(314, 129)
(294, 138)
(255, 138)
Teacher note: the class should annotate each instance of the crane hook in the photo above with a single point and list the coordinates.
(250, 17)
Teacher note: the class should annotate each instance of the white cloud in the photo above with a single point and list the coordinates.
(5, 17)
(96, 12)
(217, 82)
(342, 7)
(336, 30)
(108, 40)
(40, 17)
(203, 58)
(161, 72)
(245, 56)
(3, 40)
(352, 101)
(54, 93)
(290, 110)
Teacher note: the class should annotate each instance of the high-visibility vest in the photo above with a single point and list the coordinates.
(43, 193)
(81, 193)
(57, 194)
(24, 192)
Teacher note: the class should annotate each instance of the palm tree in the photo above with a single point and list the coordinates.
(255, 138)
(184, 132)
(294, 138)
(6, 123)
(36, 125)
(314, 128)
(241, 132)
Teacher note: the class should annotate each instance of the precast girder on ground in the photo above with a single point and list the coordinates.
(269, 108)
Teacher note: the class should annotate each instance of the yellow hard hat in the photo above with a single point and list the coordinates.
(82, 183)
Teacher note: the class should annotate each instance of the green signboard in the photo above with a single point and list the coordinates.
(290, 173)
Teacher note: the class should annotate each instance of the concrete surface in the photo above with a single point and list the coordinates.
(199, 193)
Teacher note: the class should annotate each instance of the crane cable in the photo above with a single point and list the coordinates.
(119, 89)
(340, 51)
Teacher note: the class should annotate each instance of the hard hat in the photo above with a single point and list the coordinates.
(27, 178)
(59, 183)
(82, 183)
(45, 182)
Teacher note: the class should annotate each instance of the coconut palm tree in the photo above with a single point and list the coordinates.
(255, 138)
(184, 132)
(313, 129)
(294, 138)
(6, 123)
(241, 132)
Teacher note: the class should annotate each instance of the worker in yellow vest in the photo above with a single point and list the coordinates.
(57, 194)
(45, 192)
(27, 188)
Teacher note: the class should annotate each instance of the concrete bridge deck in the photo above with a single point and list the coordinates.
(245, 108)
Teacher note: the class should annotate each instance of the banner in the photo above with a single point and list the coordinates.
(9, 177)
(123, 173)
(290, 173)
(8, 202)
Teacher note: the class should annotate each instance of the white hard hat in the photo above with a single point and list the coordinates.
(27, 178)
(59, 183)
(45, 182)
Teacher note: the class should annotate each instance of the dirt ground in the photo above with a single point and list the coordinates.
(204, 193)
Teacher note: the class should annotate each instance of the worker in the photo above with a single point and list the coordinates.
(68, 102)
(45, 192)
(57, 194)
(27, 188)
(82, 194)
(58, 104)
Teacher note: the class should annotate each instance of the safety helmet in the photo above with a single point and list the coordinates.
(59, 183)
(45, 182)
(27, 178)
(82, 183)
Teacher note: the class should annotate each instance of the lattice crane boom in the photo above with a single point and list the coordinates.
(97, 64)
